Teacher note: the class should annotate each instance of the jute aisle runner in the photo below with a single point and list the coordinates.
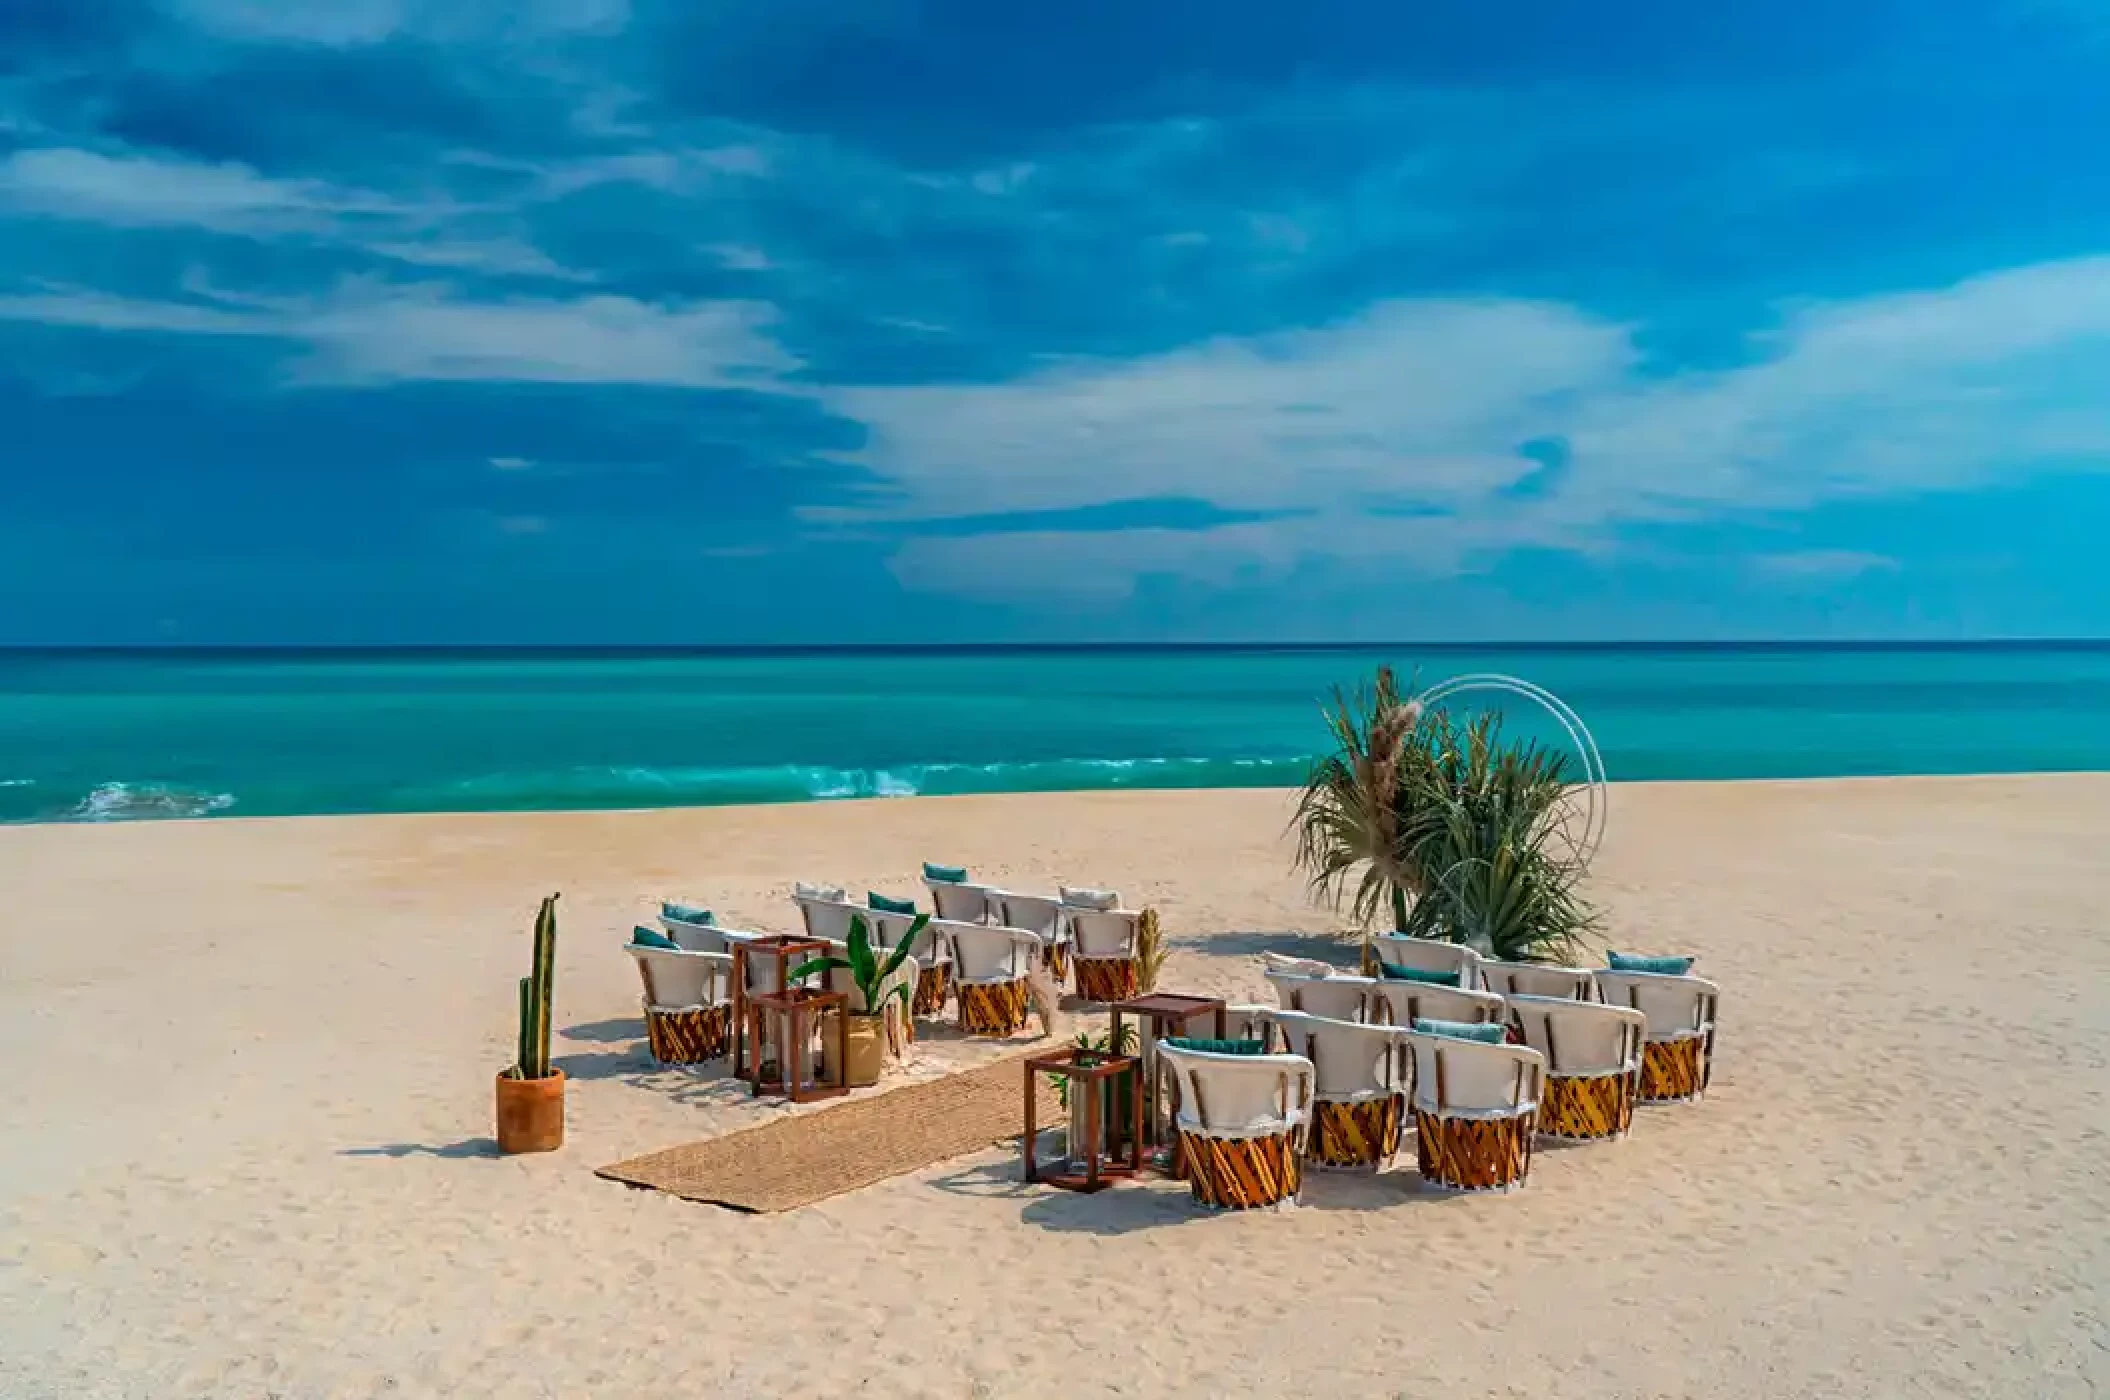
(798, 1160)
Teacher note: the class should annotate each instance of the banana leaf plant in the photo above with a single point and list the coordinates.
(869, 967)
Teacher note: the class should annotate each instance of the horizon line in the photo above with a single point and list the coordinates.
(818, 649)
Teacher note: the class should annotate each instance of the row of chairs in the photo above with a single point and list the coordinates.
(971, 937)
(1333, 1087)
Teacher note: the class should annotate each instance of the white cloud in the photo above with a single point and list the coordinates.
(1995, 378)
(137, 191)
(364, 333)
(1823, 565)
(1412, 402)
(348, 23)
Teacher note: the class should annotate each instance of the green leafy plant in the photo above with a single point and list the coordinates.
(1463, 832)
(531, 1056)
(1089, 1049)
(869, 967)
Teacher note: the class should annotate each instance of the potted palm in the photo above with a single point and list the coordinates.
(872, 973)
(531, 1091)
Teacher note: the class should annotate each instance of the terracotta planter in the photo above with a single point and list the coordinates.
(866, 1054)
(531, 1114)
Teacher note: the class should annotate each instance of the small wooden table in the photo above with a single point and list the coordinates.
(1164, 1013)
(785, 951)
(1085, 1081)
(800, 1007)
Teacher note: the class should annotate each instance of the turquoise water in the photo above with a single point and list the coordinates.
(110, 737)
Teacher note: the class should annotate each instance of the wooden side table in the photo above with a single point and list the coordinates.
(779, 953)
(802, 1009)
(1163, 1013)
(1085, 1080)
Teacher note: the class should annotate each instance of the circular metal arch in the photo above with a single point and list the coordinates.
(1597, 799)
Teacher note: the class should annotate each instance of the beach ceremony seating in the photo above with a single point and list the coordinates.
(1512, 979)
(932, 952)
(1593, 1064)
(953, 896)
(1241, 1121)
(1396, 1002)
(1361, 1073)
(1475, 1110)
(825, 910)
(1428, 955)
(1040, 916)
(1103, 947)
(1320, 990)
(691, 927)
(688, 1003)
(1678, 1057)
(991, 964)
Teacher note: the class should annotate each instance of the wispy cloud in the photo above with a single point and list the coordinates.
(366, 333)
(1823, 565)
(356, 22)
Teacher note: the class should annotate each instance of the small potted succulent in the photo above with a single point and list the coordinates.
(872, 972)
(531, 1092)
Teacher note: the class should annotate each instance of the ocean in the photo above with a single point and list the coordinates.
(107, 736)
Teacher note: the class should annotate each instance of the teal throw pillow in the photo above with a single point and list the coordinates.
(889, 906)
(1631, 962)
(945, 874)
(652, 938)
(1215, 1047)
(687, 914)
(1490, 1033)
(1421, 974)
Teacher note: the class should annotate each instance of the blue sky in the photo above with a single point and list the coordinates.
(902, 320)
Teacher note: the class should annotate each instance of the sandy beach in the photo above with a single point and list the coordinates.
(245, 1152)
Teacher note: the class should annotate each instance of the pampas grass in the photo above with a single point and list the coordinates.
(1151, 951)
(1045, 997)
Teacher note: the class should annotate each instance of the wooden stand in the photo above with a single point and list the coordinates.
(1086, 1080)
(933, 985)
(1474, 1154)
(1162, 1014)
(1595, 1109)
(689, 1036)
(780, 952)
(1362, 1134)
(1241, 1173)
(1106, 979)
(1673, 1071)
(993, 1008)
(802, 1009)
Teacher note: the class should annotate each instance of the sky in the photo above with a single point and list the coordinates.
(688, 321)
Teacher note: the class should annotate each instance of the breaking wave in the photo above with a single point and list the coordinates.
(654, 787)
(125, 802)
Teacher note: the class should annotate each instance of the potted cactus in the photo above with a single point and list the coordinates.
(872, 971)
(531, 1092)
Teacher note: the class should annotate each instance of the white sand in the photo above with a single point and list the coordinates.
(245, 1099)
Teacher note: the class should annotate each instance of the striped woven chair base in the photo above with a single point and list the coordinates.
(1673, 1071)
(993, 1008)
(691, 1036)
(1356, 1134)
(1055, 957)
(1594, 1109)
(1107, 979)
(933, 985)
(1474, 1154)
(1241, 1173)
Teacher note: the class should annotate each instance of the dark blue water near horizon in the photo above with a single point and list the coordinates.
(111, 734)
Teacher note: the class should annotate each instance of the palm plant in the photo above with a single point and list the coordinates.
(1476, 826)
(867, 968)
(1347, 819)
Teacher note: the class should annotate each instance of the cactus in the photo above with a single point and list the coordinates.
(532, 1055)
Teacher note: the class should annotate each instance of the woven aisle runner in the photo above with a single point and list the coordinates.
(809, 1157)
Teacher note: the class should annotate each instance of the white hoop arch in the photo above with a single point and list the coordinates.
(1597, 800)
